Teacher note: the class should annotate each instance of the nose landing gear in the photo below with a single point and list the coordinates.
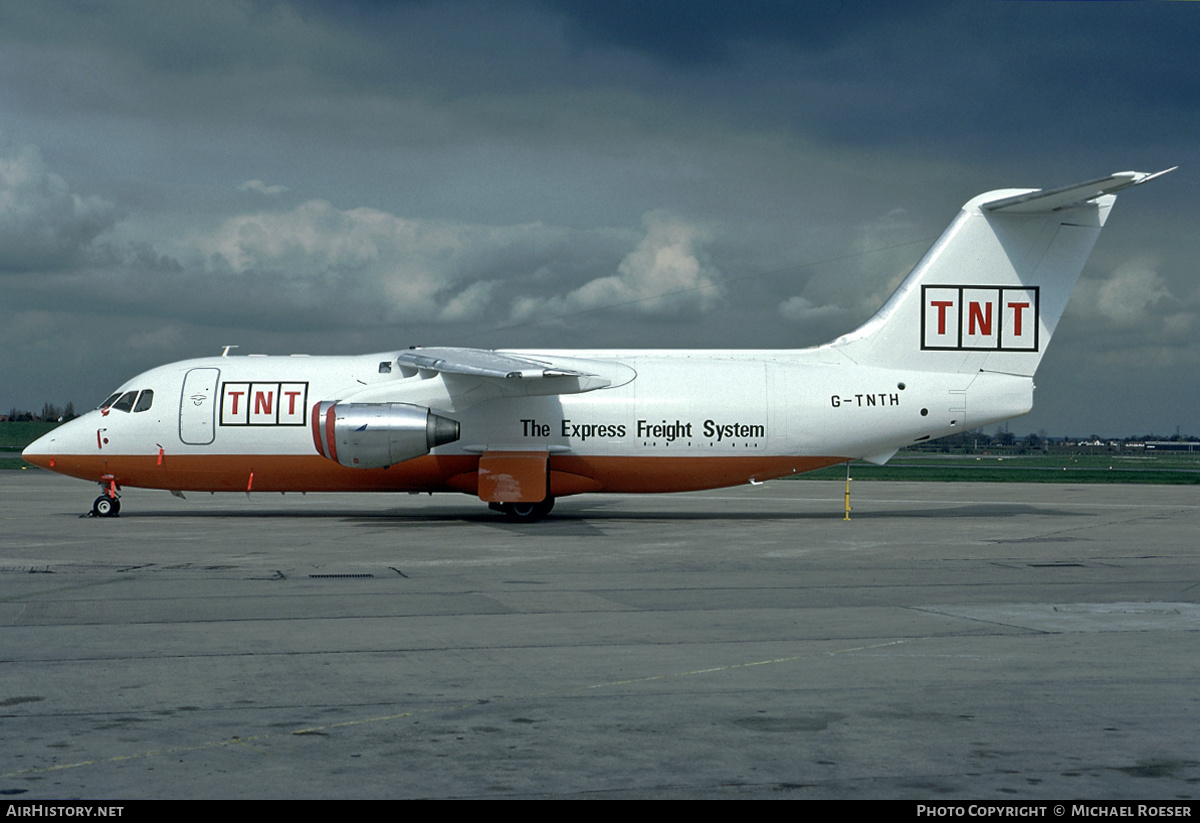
(107, 504)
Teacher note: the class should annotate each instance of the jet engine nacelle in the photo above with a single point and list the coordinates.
(378, 435)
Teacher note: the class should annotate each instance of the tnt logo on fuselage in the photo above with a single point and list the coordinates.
(263, 404)
(986, 318)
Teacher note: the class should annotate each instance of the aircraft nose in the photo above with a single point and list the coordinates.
(69, 438)
(41, 451)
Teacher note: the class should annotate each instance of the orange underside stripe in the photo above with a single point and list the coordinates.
(568, 474)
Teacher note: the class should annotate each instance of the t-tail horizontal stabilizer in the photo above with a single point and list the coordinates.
(988, 295)
(1042, 201)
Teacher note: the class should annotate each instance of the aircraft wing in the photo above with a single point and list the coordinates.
(562, 378)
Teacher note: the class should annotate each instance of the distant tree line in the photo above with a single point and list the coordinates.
(50, 414)
(971, 442)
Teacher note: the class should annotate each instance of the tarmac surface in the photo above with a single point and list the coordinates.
(973, 641)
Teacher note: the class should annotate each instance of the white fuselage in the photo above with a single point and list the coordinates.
(667, 421)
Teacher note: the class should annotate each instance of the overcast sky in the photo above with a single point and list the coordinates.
(350, 177)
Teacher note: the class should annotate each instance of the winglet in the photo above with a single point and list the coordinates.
(1048, 200)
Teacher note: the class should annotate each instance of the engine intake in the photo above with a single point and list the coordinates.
(378, 435)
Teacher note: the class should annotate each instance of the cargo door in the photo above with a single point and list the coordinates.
(197, 406)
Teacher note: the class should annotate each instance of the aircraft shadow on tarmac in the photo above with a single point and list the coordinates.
(599, 511)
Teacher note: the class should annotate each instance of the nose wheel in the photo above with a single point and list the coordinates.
(105, 506)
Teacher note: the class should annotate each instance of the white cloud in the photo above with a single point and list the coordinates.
(262, 188)
(1132, 291)
(311, 239)
(390, 268)
(1130, 295)
(669, 272)
(854, 287)
(800, 310)
(406, 269)
(43, 224)
(470, 303)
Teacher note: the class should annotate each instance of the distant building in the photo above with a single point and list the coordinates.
(1172, 445)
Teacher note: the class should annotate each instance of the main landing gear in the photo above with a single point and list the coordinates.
(524, 512)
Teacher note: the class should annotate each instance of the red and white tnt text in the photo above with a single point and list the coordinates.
(991, 318)
(263, 404)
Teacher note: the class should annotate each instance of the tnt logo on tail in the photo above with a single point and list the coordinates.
(979, 318)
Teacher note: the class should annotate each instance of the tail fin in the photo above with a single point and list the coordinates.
(989, 293)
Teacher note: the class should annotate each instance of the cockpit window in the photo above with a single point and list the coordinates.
(144, 401)
(126, 401)
(112, 398)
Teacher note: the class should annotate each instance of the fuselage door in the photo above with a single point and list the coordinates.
(197, 406)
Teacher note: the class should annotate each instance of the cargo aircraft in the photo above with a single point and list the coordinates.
(955, 347)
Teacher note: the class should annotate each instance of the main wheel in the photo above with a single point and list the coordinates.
(527, 512)
(105, 506)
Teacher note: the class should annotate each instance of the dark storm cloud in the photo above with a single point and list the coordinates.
(707, 31)
(1017, 79)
